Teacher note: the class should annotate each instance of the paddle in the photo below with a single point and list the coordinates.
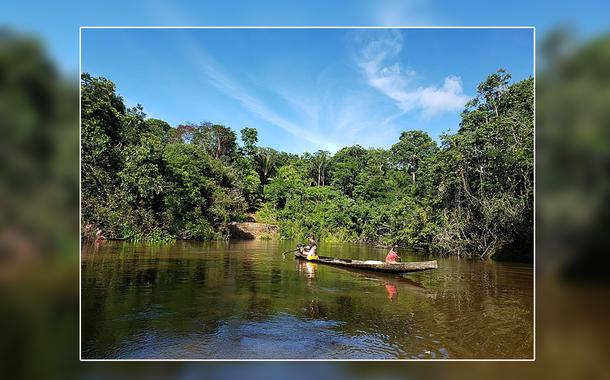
(284, 253)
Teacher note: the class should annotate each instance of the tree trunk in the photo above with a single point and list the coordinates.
(482, 184)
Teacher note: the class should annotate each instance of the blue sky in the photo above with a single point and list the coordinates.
(307, 89)
(58, 22)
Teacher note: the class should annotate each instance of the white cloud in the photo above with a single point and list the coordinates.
(377, 60)
(331, 113)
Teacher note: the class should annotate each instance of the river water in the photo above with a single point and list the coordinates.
(244, 300)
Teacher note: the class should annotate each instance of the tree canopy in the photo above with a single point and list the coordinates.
(471, 193)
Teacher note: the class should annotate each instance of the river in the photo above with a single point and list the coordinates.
(244, 300)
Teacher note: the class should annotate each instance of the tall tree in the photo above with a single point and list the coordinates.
(266, 159)
(487, 181)
(249, 136)
(490, 92)
(347, 164)
(320, 162)
(217, 140)
(102, 114)
(412, 148)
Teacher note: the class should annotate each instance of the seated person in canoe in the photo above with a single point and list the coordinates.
(311, 249)
(392, 255)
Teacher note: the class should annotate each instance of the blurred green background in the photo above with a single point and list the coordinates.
(39, 166)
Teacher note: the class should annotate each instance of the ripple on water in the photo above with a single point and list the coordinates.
(244, 300)
(283, 336)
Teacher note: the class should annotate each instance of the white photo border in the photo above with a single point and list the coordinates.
(80, 40)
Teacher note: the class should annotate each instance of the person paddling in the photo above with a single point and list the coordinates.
(311, 249)
(392, 255)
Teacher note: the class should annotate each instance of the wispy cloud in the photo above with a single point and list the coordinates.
(333, 112)
(227, 85)
(343, 115)
(377, 57)
(357, 119)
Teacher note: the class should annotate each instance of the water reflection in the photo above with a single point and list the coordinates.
(243, 300)
(307, 269)
(394, 281)
(390, 288)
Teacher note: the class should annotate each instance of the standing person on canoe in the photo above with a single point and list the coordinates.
(311, 249)
(392, 255)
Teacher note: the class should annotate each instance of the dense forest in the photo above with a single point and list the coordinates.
(472, 194)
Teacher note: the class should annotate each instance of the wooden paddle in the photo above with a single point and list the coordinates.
(294, 250)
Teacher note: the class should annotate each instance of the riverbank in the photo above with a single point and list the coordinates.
(253, 230)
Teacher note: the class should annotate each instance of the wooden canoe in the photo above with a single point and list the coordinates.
(404, 267)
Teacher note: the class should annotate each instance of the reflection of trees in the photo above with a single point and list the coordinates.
(490, 302)
(200, 273)
(315, 309)
(259, 308)
(345, 305)
(180, 291)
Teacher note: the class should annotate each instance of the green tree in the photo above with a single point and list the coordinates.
(411, 150)
(487, 180)
(102, 117)
(373, 183)
(490, 92)
(144, 180)
(266, 159)
(217, 140)
(472, 195)
(287, 183)
(249, 136)
(347, 164)
(319, 166)
(159, 128)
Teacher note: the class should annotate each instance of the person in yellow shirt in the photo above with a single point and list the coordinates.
(311, 249)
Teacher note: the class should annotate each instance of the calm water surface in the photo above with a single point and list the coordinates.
(235, 300)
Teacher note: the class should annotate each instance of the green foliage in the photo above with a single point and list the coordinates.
(249, 136)
(319, 167)
(472, 195)
(413, 148)
(266, 163)
(287, 184)
(347, 165)
(142, 180)
(318, 210)
(374, 182)
(216, 140)
(486, 172)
